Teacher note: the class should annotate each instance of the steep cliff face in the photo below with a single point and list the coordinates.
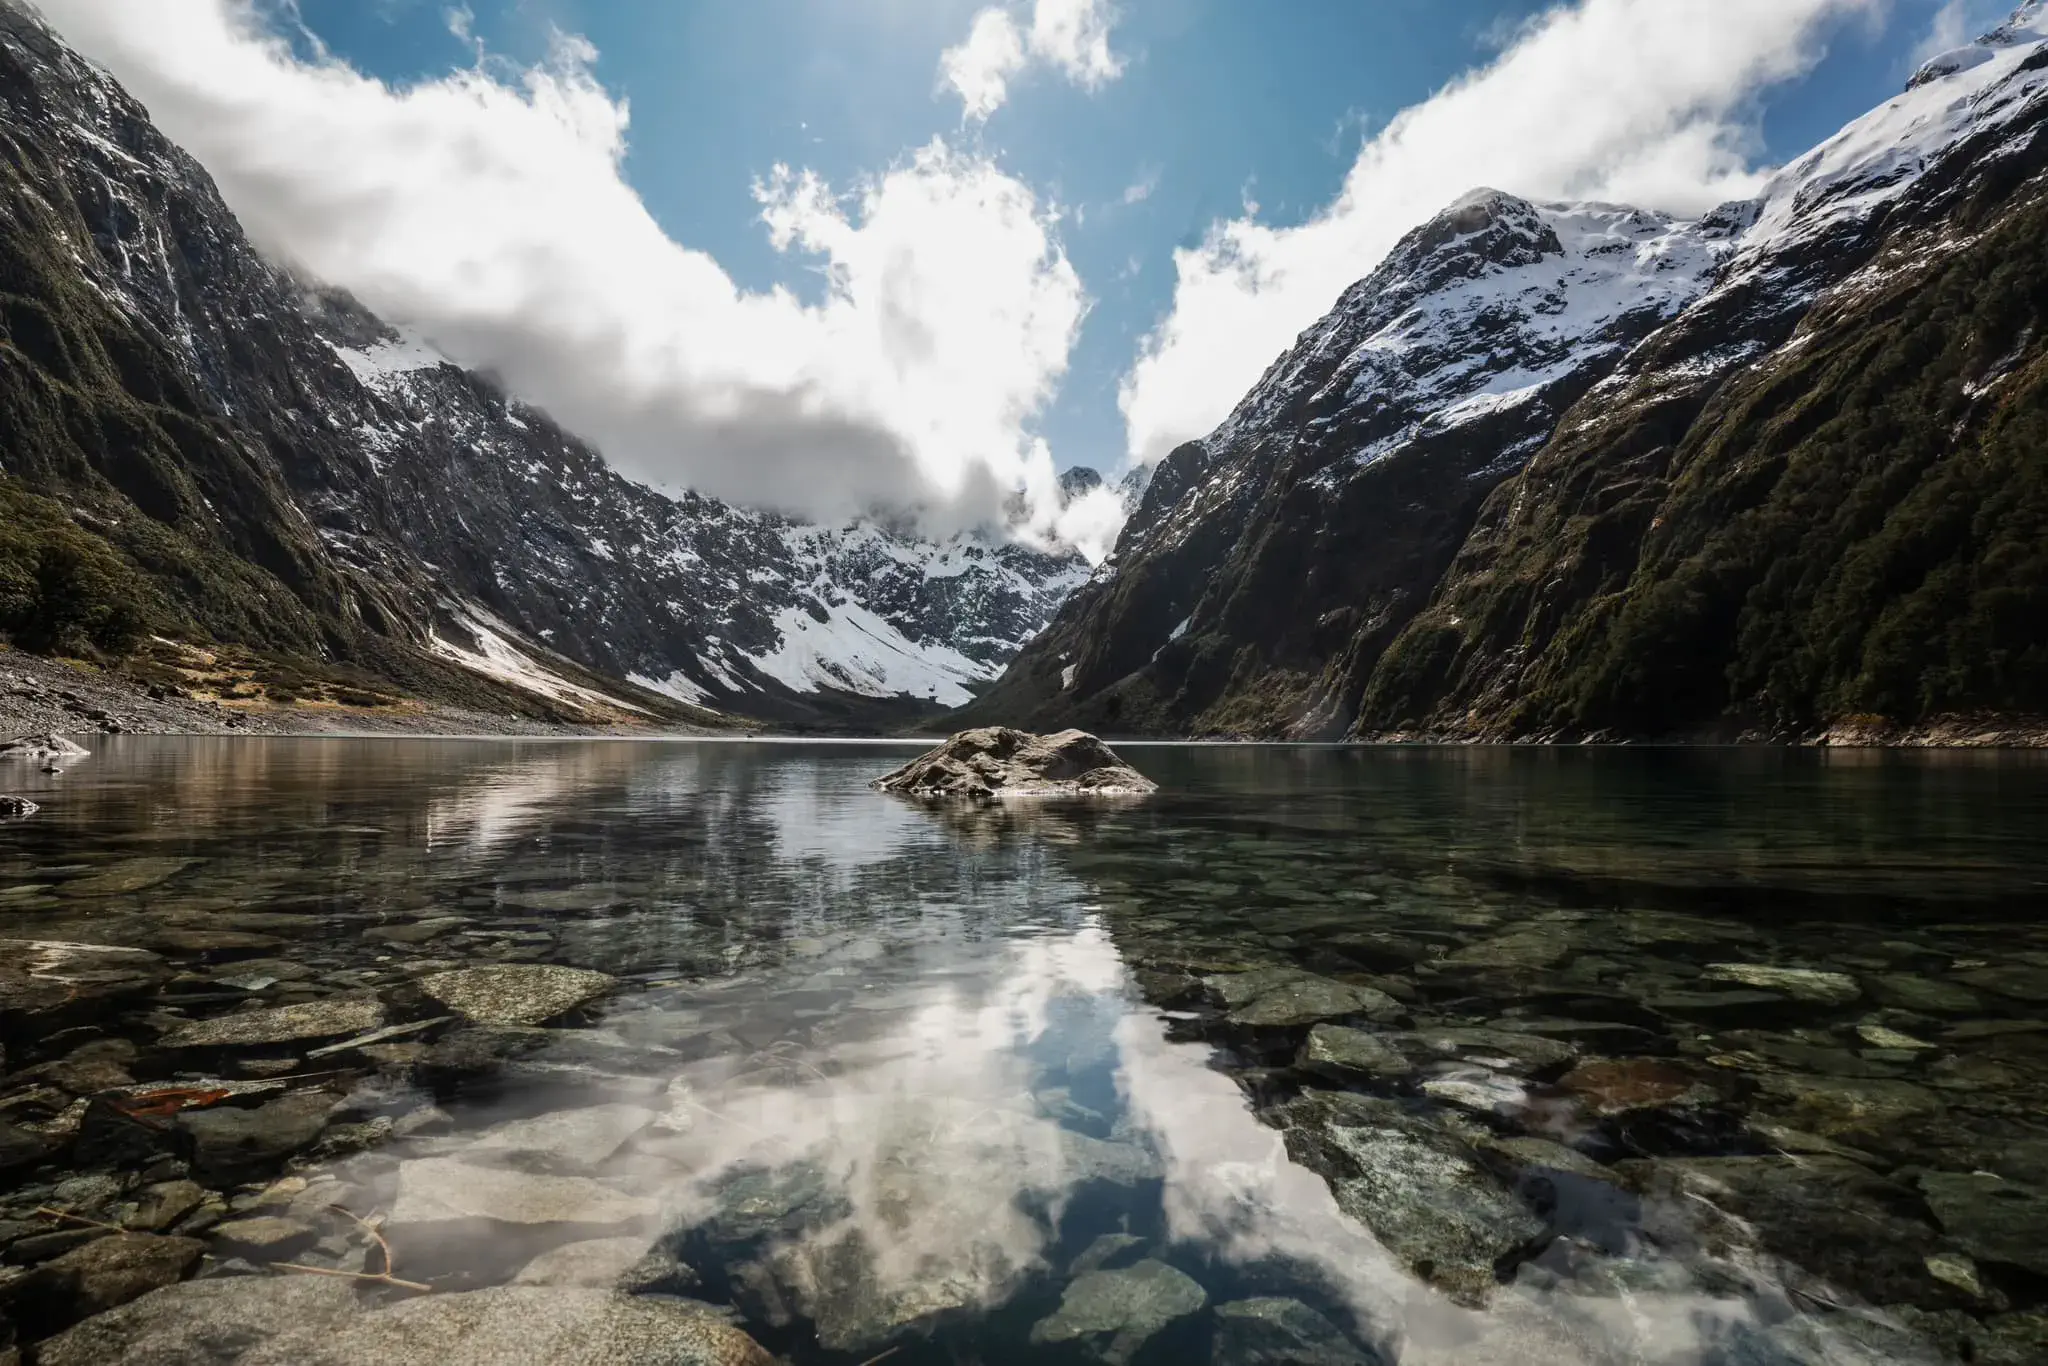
(196, 444)
(1558, 470)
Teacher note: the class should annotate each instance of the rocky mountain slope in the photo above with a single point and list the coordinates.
(196, 445)
(1576, 470)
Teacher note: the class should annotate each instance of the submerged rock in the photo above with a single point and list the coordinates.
(1995, 1220)
(996, 761)
(47, 978)
(516, 1325)
(1420, 1189)
(433, 1189)
(1279, 997)
(1803, 984)
(1111, 1315)
(515, 993)
(331, 1018)
(1276, 1331)
(1341, 1051)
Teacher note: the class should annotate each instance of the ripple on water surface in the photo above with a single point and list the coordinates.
(704, 1053)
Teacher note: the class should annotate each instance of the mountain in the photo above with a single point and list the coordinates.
(197, 445)
(1577, 471)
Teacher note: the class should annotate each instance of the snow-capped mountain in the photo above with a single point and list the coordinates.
(1439, 508)
(353, 493)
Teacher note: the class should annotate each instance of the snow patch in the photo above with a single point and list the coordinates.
(854, 650)
(496, 657)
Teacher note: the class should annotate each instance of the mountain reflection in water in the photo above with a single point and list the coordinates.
(1618, 1056)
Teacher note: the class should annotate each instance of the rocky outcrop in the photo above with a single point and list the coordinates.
(996, 761)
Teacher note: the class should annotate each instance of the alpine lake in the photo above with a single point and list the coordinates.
(704, 1052)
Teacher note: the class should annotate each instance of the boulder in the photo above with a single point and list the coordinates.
(435, 1189)
(207, 1320)
(230, 1143)
(44, 981)
(996, 761)
(327, 1019)
(1111, 1315)
(515, 993)
(518, 1325)
(1281, 997)
(43, 748)
(1994, 1219)
(1343, 1052)
(101, 1275)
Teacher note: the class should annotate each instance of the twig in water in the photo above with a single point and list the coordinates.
(882, 1356)
(384, 1278)
(46, 1212)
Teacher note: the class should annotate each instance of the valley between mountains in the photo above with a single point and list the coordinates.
(1558, 472)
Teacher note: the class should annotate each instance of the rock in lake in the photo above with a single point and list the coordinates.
(13, 808)
(329, 1019)
(1279, 997)
(41, 747)
(1276, 1331)
(515, 993)
(996, 761)
(1995, 1219)
(1111, 1315)
(433, 1189)
(207, 1320)
(101, 1275)
(523, 1325)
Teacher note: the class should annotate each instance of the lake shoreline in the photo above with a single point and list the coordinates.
(40, 694)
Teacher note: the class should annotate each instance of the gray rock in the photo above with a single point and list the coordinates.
(324, 1019)
(20, 1148)
(2021, 981)
(996, 761)
(1539, 1155)
(1111, 1315)
(582, 1138)
(435, 1189)
(855, 1306)
(264, 1238)
(230, 1143)
(41, 748)
(1275, 1331)
(1279, 997)
(45, 977)
(164, 1204)
(99, 1276)
(515, 993)
(1529, 948)
(1110, 1252)
(203, 1321)
(2013, 1340)
(1995, 1220)
(1826, 1214)
(127, 876)
(1923, 994)
(1804, 984)
(1341, 1051)
(1866, 1111)
(601, 1263)
(1504, 1049)
(16, 808)
(522, 1325)
(755, 1203)
(1419, 1188)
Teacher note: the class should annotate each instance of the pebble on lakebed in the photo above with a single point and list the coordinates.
(996, 761)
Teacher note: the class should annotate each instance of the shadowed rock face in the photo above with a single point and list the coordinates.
(996, 761)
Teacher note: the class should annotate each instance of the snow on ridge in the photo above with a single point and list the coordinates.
(497, 657)
(380, 362)
(678, 685)
(855, 650)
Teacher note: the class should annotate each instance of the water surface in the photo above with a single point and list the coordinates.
(1628, 1055)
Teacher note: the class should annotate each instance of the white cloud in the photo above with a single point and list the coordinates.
(1651, 102)
(1141, 189)
(489, 211)
(1957, 22)
(1072, 36)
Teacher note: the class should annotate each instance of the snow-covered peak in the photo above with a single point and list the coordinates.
(400, 353)
(1992, 85)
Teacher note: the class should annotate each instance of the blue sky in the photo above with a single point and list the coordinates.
(1219, 101)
